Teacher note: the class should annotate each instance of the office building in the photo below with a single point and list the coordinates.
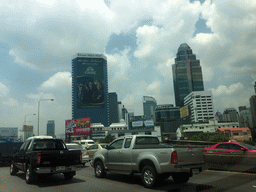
(51, 128)
(201, 106)
(113, 108)
(230, 115)
(244, 116)
(253, 110)
(187, 74)
(149, 105)
(90, 88)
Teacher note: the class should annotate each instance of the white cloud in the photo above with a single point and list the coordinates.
(4, 90)
(11, 102)
(61, 81)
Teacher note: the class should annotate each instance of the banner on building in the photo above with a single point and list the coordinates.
(149, 123)
(78, 126)
(184, 111)
(27, 128)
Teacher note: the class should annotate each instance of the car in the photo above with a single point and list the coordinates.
(94, 148)
(232, 156)
(75, 146)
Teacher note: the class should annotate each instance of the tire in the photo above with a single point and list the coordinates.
(149, 176)
(99, 169)
(30, 174)
(13, 169)
(69, 175)
(180, 177)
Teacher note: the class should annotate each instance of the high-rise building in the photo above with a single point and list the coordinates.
(90, 88)
(149, 105)
(230, 115)
(113, 108)
(255, 87)
(253, 110)
(244, 116)
(50, 128)
(187, 74)
(201, 106)
(120, 106)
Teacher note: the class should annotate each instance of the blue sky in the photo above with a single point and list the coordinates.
(140, 39)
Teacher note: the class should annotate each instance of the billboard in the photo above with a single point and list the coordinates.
(137, 124)
(149, 123)
(27, 128)
(78, 126)
(8, 131)
(184, 111)
(90, 83)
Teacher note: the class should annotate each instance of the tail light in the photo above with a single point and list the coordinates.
(87, 152)
(38, 158)
(174, 157)
(81, 156)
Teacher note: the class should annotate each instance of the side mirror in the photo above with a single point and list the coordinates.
(243, 149)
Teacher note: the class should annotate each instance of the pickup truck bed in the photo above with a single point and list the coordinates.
(40, 155)
(146, 155)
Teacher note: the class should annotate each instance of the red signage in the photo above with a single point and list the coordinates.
(78, 126)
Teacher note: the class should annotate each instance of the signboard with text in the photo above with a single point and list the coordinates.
(27, 128)
(78, 126)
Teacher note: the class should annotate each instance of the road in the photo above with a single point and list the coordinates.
(209, 180)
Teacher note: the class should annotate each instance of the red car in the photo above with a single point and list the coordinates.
(232, 156)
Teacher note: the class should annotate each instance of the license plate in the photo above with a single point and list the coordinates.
(195, 171)
(60, 168)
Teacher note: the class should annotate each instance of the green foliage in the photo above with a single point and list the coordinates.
(250, 142)
(108, 139)
(209, 137)
(219, 138)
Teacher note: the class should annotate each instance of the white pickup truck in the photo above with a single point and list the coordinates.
(154, 160)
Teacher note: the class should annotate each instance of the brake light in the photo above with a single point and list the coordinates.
(38, 158)
(174, 157)
(81, 156)
(87, 152)
(204, 154)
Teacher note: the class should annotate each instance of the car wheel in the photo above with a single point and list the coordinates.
(30, 174)
(180, 177)
(13, 169)
(99, 170)
(149, 176)
(68, 175)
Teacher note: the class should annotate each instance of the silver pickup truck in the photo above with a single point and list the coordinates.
(154, 160)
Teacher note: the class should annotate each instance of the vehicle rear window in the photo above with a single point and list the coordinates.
(74, 147)
(90, 142)
(147, 140)
(48, 144)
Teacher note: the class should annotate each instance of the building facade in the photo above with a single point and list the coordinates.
(187, 74)
(90, 88)
(149, 105)
(201, 106)
(113, 108)
(210, 127)
(253, 110)
(230, 115)
(51, 128)
(244, 116)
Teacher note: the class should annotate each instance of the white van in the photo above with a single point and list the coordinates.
(85, 143)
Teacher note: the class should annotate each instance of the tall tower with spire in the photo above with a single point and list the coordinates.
(187, 74)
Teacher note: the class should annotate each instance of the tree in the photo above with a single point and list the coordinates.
(108, 139)
(219, 138)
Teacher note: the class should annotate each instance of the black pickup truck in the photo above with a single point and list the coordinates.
(7, 149)
(44, 155)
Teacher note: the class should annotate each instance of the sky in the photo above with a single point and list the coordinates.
(140, 40)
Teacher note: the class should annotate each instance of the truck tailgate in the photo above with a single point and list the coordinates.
(189, 155)
(60, 157)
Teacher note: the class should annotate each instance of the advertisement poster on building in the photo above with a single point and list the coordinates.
(90, 84)
(78, 126)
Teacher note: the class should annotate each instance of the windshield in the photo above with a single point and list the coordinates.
(48, 144)
(74, 147)
(248, 146)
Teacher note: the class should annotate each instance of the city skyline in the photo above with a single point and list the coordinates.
(140, 41)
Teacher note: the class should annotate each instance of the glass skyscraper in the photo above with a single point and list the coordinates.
(187, 74)
(149, 105)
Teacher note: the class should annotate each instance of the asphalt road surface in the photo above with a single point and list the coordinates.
(209, 180)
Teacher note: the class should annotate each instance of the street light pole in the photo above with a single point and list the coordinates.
(25, 124)
(38, 113)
